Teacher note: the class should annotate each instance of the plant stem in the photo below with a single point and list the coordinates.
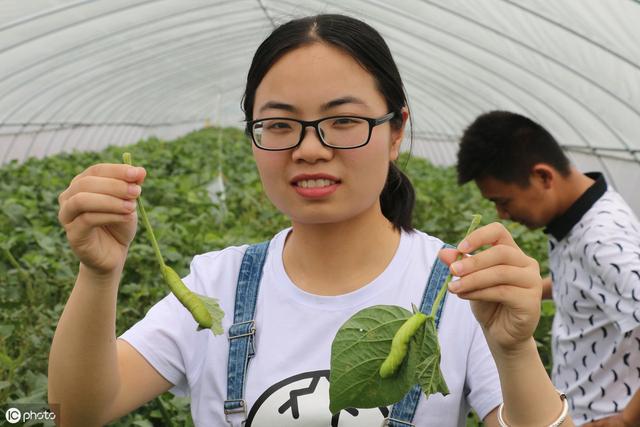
(147, 225)
(434, 309)
(145, 220)
(22, 274)
(166, 418)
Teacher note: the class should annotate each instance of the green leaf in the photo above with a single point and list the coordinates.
(360, 347)
(142, 423)
(358, 350)
(6, 330)
(216, 313)
(428, 374)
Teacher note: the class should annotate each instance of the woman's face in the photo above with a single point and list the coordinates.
(314, 184)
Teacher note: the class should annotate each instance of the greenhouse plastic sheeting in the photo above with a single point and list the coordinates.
(87, 74)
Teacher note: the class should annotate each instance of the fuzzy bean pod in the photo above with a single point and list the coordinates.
(400, 344)
(187, 298)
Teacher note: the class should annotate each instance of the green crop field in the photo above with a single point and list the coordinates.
(37, 268)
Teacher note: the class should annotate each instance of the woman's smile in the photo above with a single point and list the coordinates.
(315, 186)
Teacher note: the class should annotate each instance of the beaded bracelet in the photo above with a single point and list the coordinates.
(556, 423)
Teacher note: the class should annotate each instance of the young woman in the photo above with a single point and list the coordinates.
(326, 112)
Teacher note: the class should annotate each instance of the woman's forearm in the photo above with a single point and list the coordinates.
(83, 368)
(530, 399)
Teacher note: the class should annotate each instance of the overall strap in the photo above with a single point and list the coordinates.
(402, 412)
(241, 333)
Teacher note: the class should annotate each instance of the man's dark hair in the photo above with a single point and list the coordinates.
(505, 146)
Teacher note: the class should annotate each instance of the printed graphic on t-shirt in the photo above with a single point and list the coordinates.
(303, 400)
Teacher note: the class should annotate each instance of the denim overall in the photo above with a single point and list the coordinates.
(241, 345)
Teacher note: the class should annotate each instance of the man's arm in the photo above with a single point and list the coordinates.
(546, 288)
(629, 417)
(631, 414)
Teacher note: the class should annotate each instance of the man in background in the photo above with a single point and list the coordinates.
(594, 258)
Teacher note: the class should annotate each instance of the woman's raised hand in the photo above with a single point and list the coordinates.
(502, 283)
(98, 213)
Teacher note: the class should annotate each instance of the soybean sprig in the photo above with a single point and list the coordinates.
(203, 309)
(475, 221)
(402, 337)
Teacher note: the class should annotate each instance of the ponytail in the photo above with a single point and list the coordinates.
(398, 199)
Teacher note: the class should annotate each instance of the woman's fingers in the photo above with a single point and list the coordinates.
(494, 234)
(82, 203)
(125, 174)
(84, 223)
(501, 264)
(115, 170)
(495, 294)
(97, 248)
(108, 186)
(496, 255)
(448, 256)
(502, 283)
(491, 234)
(491, 277)
(105, 188)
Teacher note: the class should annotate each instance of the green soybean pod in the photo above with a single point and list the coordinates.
(400, 344)
(187, 298)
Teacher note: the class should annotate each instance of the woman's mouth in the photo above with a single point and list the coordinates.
(314, 188)
(315, 183)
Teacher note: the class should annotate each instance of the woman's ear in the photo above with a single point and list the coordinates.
(397, 135)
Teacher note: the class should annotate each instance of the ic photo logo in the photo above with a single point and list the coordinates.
(13, 415)
(28, 414)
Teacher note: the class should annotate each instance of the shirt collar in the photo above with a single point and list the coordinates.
(560, 226)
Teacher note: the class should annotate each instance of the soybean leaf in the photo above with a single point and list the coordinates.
(358, 350)
(215, 311)
(360, 347)
(428, 374)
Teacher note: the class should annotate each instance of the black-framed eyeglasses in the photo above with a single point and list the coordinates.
(341, 132)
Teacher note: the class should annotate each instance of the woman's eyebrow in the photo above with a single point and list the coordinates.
(274, 105)
(340, 101)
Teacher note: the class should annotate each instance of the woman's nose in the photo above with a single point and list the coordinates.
(311, 148)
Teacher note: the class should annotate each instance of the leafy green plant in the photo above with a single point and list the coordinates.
(34, 288)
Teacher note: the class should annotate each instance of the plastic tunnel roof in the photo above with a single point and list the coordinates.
(87, 74)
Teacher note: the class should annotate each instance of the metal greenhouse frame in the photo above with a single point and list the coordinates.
(87, 74)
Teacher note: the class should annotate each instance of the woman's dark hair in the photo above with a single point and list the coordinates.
(366, 46)
(506, 146)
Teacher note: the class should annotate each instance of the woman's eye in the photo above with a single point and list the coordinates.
(278, 126)
(343, 121)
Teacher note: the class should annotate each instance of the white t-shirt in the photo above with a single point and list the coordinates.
(594, 257)
(295, 330)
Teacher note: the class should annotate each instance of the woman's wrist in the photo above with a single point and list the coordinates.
(97, 279)
(523, 375)
(514, 353)
(556, 423)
